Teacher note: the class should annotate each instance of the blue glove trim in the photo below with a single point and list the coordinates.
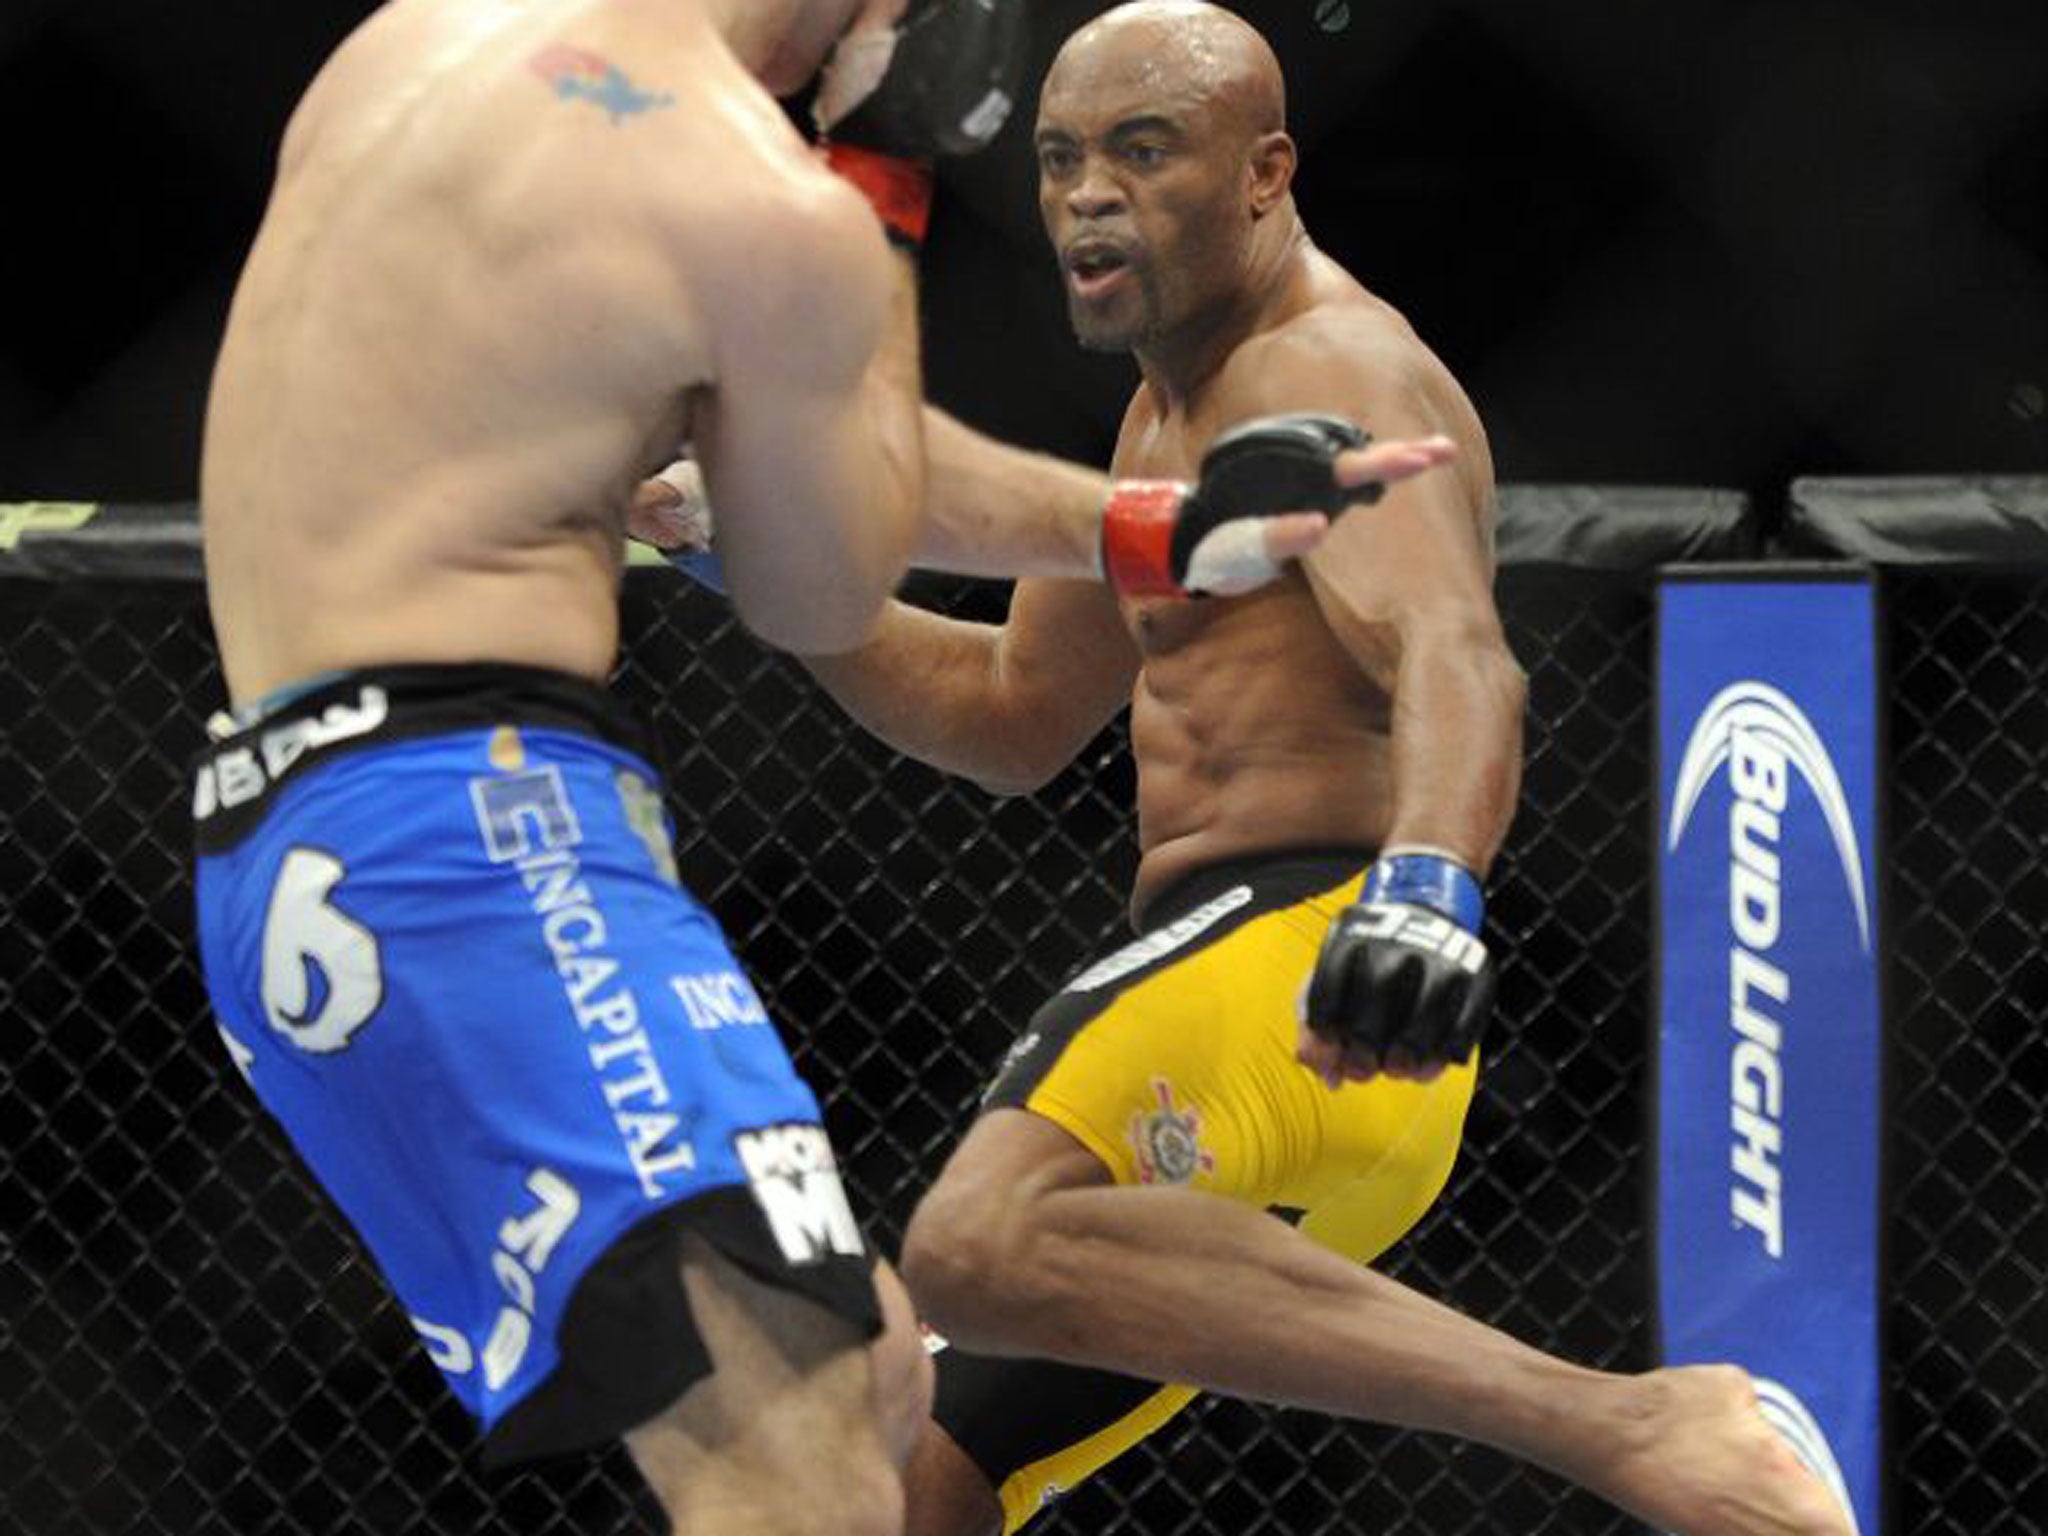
(1429, 880)
(701, 565)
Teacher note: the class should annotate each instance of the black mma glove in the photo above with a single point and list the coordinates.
(944, 78)
(940, 81)
(1166, 538)
(1402, 970)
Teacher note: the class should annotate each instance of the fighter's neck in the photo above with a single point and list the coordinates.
(1275, 287)
(751, 30)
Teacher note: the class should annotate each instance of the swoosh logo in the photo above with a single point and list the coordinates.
(1783, 1411)
(1759, 710)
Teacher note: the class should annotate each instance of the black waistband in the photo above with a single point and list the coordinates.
(235, 776)
(1278, 877)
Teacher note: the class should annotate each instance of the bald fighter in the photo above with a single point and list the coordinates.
(1173, 1180)
(514, 255)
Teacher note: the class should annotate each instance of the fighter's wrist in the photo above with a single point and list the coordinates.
(702, 566)
(898, 188)
(1434, 878)
(1135, 551)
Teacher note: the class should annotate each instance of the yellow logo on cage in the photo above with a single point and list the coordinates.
(20, 517)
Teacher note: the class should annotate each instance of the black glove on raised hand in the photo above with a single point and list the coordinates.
(1403, 976)
(940, 81)
(944, 79)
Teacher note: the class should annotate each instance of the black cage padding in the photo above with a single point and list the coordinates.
(1605, 527)
(1622, 528)
(1990, 520)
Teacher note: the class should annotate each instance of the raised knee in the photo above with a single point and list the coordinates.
(940, 1258)
(996, 1255)
(972, 1265)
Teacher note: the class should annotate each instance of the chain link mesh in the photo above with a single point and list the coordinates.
(1967, 1302)
(190, 1343)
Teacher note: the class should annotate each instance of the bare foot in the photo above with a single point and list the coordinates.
(1703, 1462)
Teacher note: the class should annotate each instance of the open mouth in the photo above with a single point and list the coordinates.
(1095, 267)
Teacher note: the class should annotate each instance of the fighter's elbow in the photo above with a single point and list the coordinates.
(1017, 751)
(1008, 768)
(1473, 645)
(1507, 680)
(834, 624)
(1498, 689)
(1004, 782)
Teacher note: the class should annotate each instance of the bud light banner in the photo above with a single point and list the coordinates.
(1768, 1024)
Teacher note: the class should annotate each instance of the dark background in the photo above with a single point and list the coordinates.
(1660, 242)
(1663, 242)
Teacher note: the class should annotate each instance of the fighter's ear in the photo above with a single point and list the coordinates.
(1272, 171)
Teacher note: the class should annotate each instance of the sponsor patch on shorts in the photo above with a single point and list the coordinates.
(1168, 1141)
(795, 1180)
(1161, 942)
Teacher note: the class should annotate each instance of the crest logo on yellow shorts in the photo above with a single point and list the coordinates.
(1168, 1141)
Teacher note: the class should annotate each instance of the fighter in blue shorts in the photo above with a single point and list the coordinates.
(440, 916)
(514, 255)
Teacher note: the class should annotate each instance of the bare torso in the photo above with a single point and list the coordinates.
(1252, 724)
(460, 340)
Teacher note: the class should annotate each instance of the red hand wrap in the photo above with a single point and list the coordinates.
(899, 190)
(1137, 537)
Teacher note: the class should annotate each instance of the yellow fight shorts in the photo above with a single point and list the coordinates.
(1172, 1059)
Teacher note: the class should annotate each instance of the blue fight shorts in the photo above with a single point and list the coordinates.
(441, 928)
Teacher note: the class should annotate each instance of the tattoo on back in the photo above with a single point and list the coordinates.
(575, 74)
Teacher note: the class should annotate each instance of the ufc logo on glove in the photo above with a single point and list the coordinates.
(1420, 929)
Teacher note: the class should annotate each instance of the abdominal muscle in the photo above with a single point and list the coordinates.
(1253, 731)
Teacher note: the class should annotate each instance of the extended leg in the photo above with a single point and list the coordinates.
(1025, 1247)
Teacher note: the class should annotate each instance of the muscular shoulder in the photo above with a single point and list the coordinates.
(782, 253)
(1336, 357)
(807, 290)
(1357, 358)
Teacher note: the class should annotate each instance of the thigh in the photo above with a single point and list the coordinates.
(1389, 1158)
(1035, 1429)
(521, 1060)
(782, 1366)
(1187, 1075)
(1173, 1075)
(786, 1418)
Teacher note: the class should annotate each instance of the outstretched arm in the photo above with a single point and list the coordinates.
(991, 509)
(995, 510)
(1006, 705)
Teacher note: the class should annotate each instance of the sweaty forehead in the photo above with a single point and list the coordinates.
(1104, 75)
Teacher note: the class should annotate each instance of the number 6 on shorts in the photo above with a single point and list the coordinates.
(322, 977)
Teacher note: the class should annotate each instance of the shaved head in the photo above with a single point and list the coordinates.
(1163, 159)
(1183, 50)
